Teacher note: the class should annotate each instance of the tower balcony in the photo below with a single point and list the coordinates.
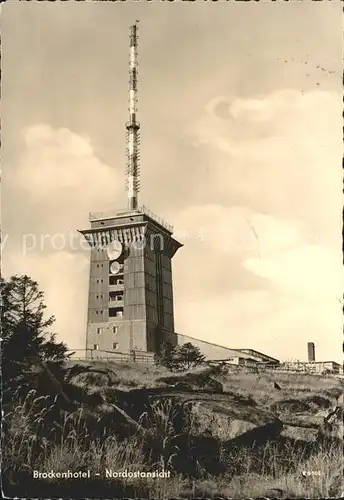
(116, 303)
(116, 288)
(116, 298)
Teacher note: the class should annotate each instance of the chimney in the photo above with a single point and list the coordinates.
(311, 351)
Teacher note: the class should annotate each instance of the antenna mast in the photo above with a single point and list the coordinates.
(133, 126)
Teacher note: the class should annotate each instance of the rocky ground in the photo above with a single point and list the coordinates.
(230, 433)
(219, 413)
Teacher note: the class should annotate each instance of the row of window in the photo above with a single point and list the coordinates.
(101, 265)
(112, 296)
(113, 312)
(114, 346)
(113, 280)
(115, 296)
(114, 330)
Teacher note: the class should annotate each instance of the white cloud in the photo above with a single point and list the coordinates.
(237, 229)
(62, 173)
(314, 272)
(57, 180)
(251, 110)
(281, 155)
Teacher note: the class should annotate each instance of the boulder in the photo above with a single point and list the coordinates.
(332, 425)
(256, 436)
(308, 435)
(314, 427)
(291, 406)
(230, 420)
(213, 385)
(195, 381)
(237, 427)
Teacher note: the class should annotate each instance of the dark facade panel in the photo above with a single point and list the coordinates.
(151, 298)
(168, 306)
(150, 282)
(152, 314)
(166, 263)
(149, 254)
(169, 321)
(167, 276)
(150, 268)
(167, 291)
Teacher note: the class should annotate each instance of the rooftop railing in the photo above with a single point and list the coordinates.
(107, 215)
(93, 216)
(156, 218)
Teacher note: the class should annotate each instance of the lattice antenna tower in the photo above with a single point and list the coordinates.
(133, 126)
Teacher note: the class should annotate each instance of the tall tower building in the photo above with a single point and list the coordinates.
(130, 302)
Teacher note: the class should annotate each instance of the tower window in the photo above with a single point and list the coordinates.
(114, 280)
(115, 312)
(116, 296)
(95, 347)
(115, 345)
(99, 330)
(115, 329)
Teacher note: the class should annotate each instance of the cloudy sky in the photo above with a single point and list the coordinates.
(240, 110)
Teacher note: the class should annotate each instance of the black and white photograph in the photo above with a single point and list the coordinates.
(171, 249)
